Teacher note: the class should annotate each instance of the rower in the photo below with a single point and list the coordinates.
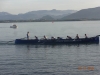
(36, 37)
(86, 36)
(45, 37)
(69, 37)
(77, 37)
(52, 37)
(58, 37)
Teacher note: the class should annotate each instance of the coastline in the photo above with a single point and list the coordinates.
(10, 21)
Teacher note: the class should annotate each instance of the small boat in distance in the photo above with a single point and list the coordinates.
(14, 26)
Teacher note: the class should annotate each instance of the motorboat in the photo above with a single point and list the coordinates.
(13, 26)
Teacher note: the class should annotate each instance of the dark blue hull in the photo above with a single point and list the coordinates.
(92, 40)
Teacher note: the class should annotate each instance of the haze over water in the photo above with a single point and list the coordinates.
(49, 59)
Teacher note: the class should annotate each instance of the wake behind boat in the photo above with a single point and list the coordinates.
(90, 40)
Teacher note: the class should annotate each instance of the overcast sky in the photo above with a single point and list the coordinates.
(23, 6)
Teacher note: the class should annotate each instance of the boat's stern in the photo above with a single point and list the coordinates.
(17, 41)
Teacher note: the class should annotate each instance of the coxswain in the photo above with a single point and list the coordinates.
(27, 35)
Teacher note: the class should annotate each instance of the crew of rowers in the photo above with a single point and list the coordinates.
(68, 37)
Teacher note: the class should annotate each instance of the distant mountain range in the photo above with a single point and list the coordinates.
(84, 14)
(57, 15)
(35, 15)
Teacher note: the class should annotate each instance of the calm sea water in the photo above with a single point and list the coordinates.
(49, 60)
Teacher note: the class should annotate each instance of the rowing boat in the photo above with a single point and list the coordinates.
(90, 40)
